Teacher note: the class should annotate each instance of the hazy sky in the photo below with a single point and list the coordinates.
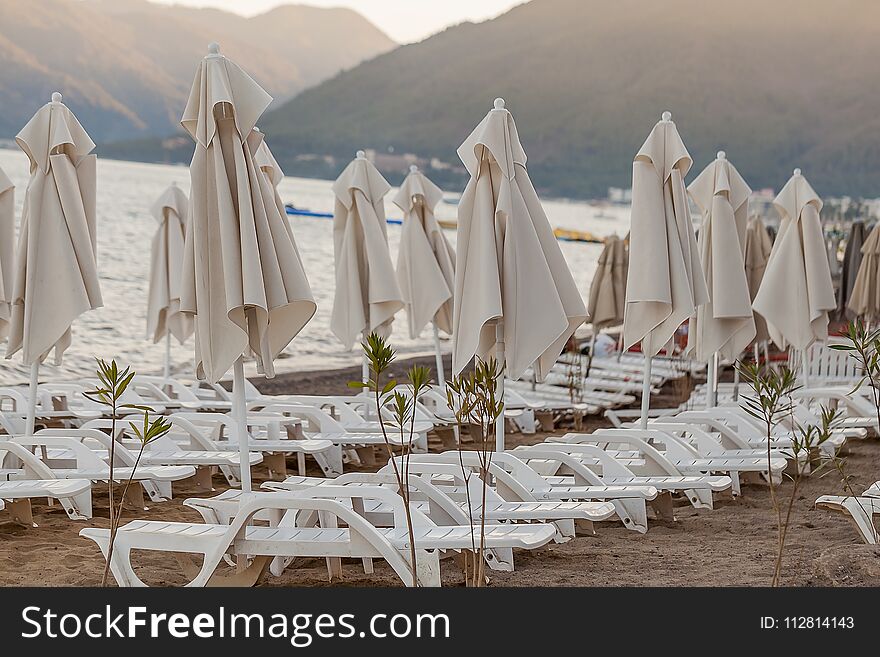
(403, 20)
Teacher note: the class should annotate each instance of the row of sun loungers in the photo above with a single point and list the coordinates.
(538, 494)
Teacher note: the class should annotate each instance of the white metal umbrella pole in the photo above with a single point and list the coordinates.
(500, 358)
(712, 382)
(646, 392)
(239, 412)
(166, 372)
(32, 399)
(441, 375)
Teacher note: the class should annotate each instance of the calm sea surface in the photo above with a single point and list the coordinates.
(127, 190)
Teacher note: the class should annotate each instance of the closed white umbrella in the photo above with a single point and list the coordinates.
(864, 301)
(725, 325)
(7, 251)
(164, 318)
(607, 301)
(514, 295)
(796, 293)
(665, 283)
(242, 277)
(425, 261)
(56, 272)
(367, 295)
(756, 254)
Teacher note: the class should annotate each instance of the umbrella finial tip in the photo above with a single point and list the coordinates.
(360, 155)
(666, 116)
(56, 97)
(797, 172)
(213, 48)
(499, 103)
(413, 168)
(721, 155)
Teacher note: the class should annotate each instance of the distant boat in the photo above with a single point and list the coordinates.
(291, 209)
(603, 216)
(302, 212)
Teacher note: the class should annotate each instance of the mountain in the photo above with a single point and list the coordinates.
(125, 66)
(778, 85)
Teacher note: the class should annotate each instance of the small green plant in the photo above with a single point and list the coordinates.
(113, 384)
(474, 400)
(806, 443)
(380, 356)
(770, 401)
(864, 347)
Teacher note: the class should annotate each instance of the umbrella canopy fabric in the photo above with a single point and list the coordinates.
(665, 284)
(56, 271)
(367, 295)
(509, 266)
(425, 261)
(242, 277)
(7, 251)
(607, 300)
(166, 260)
(865, 298)
(756, 250)
(796, 293)
(725, 324)
(852, 259)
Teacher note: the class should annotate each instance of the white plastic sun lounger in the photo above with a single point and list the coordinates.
(358, 539)
(861, 510)
(163, 451)
(74, 495)
(265, 438)
(80, 462)
(516, 481)
(589, 464)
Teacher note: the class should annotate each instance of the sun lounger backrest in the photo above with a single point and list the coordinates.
(33, 467)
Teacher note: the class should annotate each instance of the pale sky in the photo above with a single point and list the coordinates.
(404, 21)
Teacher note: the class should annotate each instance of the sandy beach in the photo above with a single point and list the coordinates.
(733, 545)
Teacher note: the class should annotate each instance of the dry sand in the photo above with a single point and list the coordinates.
(732, 545)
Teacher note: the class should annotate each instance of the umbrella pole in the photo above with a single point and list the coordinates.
(736, 367)
(646, 392)
(441, 375)
(166, 373)
(239, 412)
(500, 357)
(32, 399)
(712, 382)
(757, 353)
(592, 351)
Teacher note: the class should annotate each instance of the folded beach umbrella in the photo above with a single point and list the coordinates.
(852, 258)
(164, 318)
(367, 294)
(725, 325)
(7, 251)
(514, 295)
(607, 299)
(425, 260)
(796, 293)
(56, 272)
(241, 277)
(756, 251)
(864, 301)
(665, 284)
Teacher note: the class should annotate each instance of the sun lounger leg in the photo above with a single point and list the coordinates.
(134, 496)
(633, 513)
(21, 513)
(663, 506)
